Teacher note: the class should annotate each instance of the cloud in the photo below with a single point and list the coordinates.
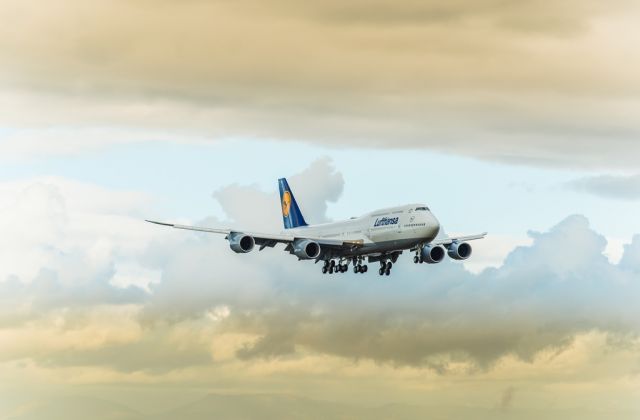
(609, 186)
(98, 252)
(631, 256)
(61, 241)
(539, 299)
(506, 401)
(529, 80)
(108, 299)
(75, 407)
(313, 188)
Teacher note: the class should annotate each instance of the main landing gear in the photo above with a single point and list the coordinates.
(342, 266)
(385, 268)
(331, 266)
(358, 266)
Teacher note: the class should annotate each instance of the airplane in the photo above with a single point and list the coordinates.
(379, 236)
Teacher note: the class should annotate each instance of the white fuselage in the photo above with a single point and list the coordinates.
(381, 230)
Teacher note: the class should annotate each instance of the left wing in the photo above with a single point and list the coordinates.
(265, 239)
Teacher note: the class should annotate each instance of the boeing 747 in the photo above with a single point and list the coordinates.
(379, 236)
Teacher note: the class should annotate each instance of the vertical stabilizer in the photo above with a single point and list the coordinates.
(291, 215)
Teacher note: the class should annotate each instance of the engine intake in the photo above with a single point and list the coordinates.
(306, 249)
(459, 250)
(241, 243)
(432, 254)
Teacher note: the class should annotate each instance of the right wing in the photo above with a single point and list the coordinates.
(449, 240)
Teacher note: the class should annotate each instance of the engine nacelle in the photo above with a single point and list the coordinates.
(432, 254)
(459, 250)
(306, 249)
(241, 243)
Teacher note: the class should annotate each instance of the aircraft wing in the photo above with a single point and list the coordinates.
(450, 240)
(265, 239)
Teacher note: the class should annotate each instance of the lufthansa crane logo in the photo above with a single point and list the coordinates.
(286, 203)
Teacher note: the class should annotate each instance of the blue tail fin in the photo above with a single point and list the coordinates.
(291, 215)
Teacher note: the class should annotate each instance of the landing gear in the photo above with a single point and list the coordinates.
(416, 259)
(385, 268)
(342, 266)
(359, 268)
(331, 267)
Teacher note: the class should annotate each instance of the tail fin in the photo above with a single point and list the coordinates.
(291, 215)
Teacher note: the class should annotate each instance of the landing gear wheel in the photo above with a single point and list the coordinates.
(389, 265)
(356, 269)
(363, 269)
(381, 271)
(324, 270)
(387, 272)
(330, 270)
(416, 259)
(332, 264)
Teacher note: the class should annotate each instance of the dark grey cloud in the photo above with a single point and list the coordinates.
(609, 186)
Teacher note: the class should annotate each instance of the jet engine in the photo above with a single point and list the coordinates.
(306, 249)
(241, 243)
(459, 250)
(432, 254)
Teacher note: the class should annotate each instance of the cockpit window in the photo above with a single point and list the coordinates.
(422, 208)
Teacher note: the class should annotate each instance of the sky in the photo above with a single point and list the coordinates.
(518, 117)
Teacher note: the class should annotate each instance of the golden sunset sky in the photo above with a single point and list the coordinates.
(521, 117)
